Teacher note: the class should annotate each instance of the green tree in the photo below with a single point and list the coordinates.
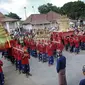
(13, 15)
(74, 10)
(48, 7)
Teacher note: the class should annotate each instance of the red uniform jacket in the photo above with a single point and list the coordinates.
(54, 46)
(41, 48)
(26, 43)
(19, 55)
(16, 52)
(25, 58)
(44, 48)
(12, 42)
(76, 42)
(50, 50)
(83, 38)
(34, 46)
(66, 41)
(37, 47)
(60, 46)
(58, 38)
(71, 40)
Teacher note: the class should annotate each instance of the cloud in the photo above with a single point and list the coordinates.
(17, 6)
(5, 1)
(3, 11)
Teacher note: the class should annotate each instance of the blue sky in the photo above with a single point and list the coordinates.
(17, 6)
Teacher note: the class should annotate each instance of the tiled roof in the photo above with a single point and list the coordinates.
(42, 18)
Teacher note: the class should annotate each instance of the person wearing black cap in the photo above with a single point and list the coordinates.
(82, 82)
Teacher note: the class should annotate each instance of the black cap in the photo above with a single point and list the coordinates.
(83, 68)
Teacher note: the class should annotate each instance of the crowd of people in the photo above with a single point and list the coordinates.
(45, 50)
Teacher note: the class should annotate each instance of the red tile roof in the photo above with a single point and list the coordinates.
(53, 16)
(42, 18)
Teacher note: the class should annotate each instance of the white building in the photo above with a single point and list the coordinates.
(40, 21)
(9, 24)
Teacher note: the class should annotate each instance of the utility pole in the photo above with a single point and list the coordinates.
(34, 18)
(25, 12)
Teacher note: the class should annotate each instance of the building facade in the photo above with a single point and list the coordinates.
(41, 21)
(9, 24)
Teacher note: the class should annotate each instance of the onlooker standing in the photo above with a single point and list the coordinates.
(82, 82)
(61, 65)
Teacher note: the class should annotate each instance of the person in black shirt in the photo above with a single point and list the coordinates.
(61, 65)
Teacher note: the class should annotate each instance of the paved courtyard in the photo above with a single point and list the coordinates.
(42, 74)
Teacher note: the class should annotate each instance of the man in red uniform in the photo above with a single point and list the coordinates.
(19, 57)
(44, 56)
(50, 51)
(31, 47)
(34, 51)
(55, 47)
(25, 63)
(27, 43)
(59, 46)
(39, 50)
(83, 42)
(66, 43)
(76, 43)
(12, 42)
(71, 40)
(16, 55)
(1, 74)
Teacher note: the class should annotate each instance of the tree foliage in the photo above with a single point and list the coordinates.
(73, 10)
(43, 9)
(13, 15)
